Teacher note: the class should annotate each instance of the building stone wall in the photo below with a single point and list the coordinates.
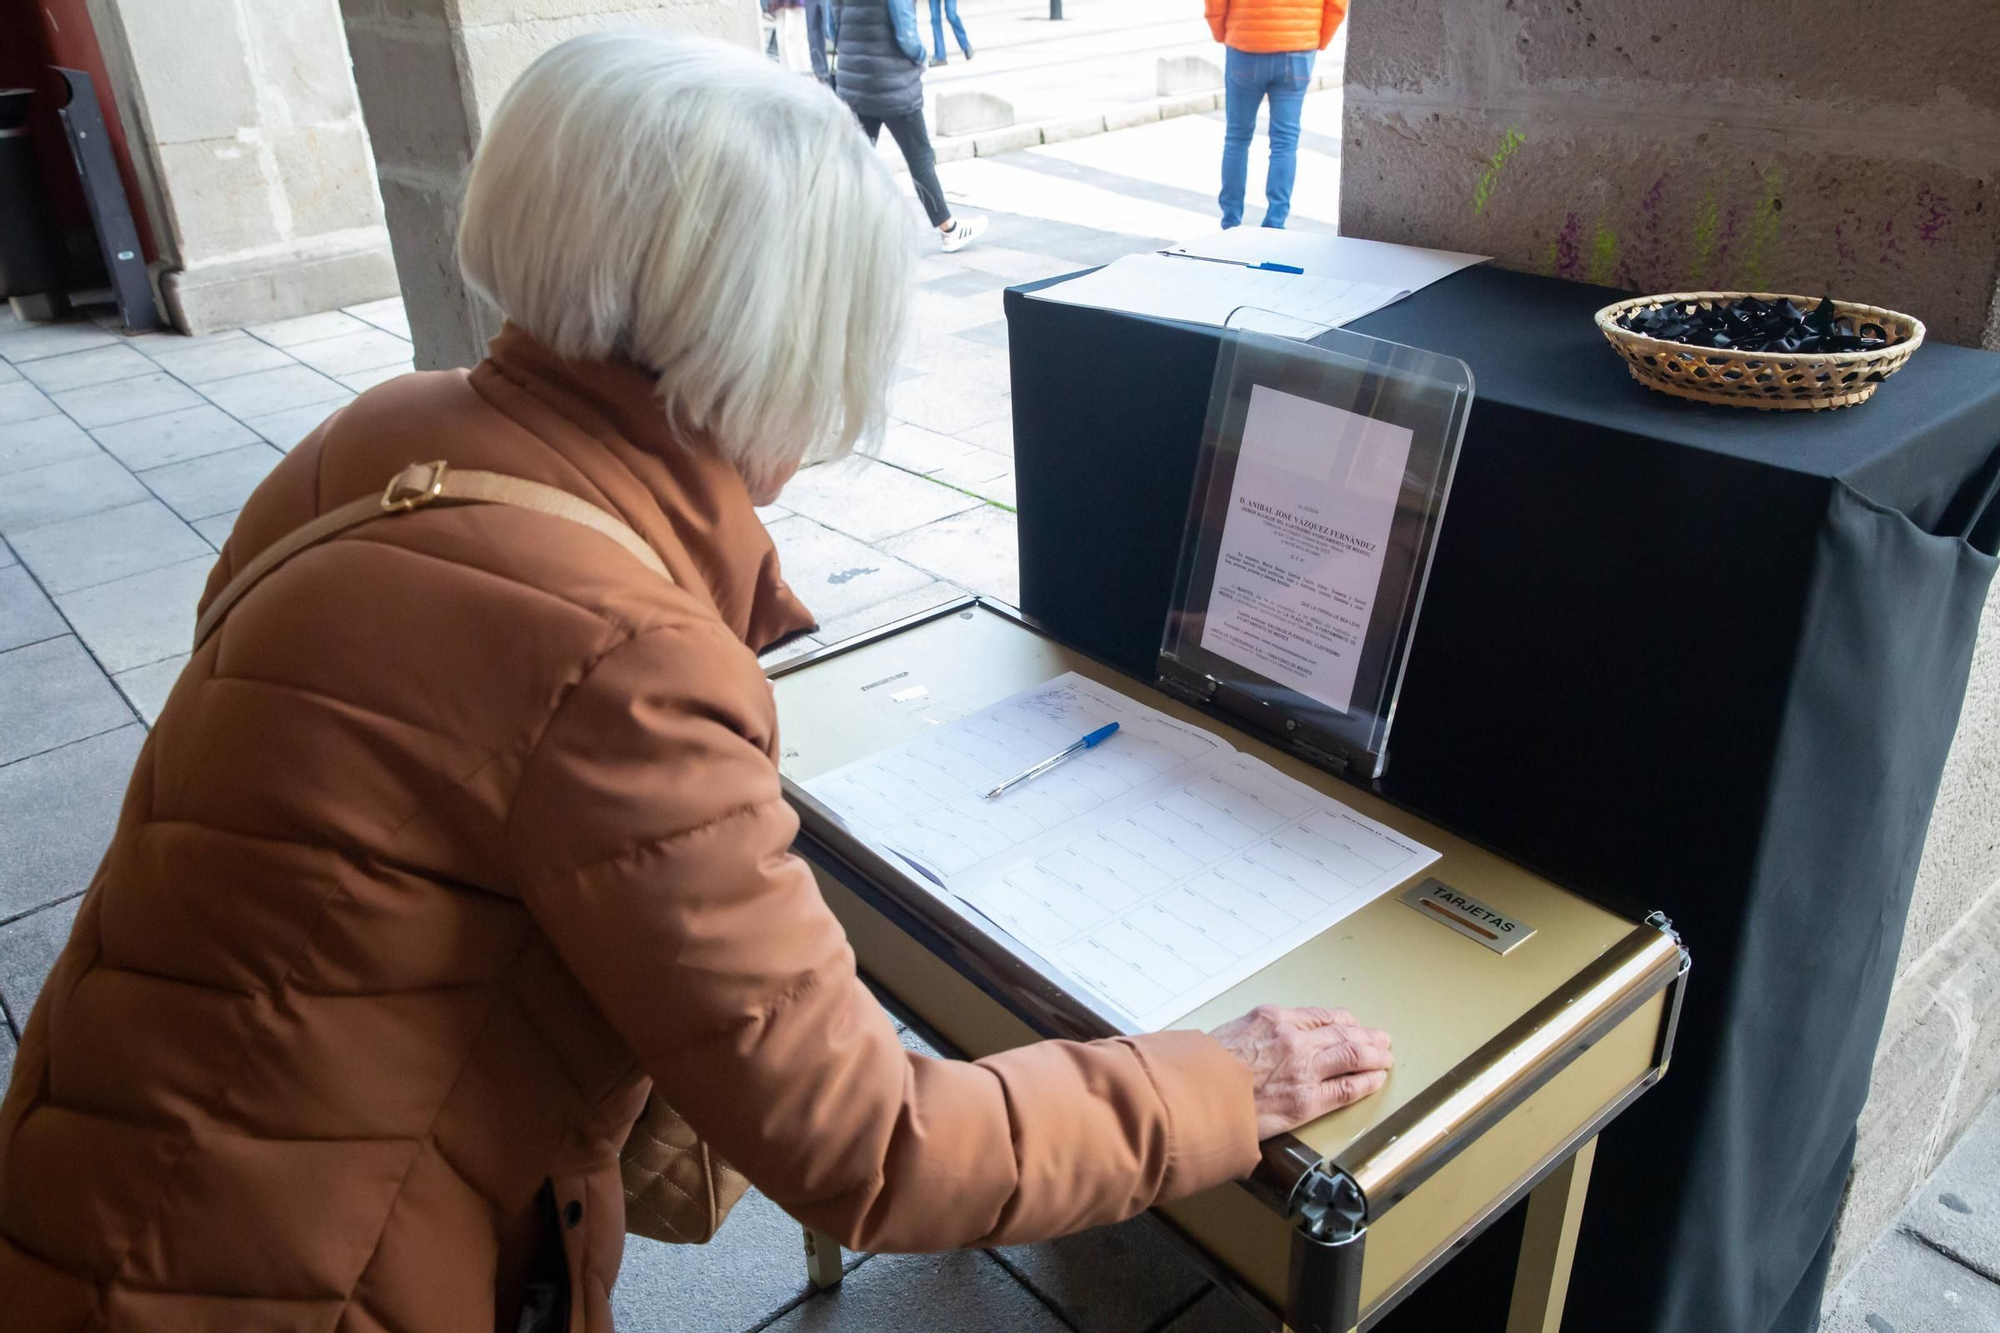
(1842, 147)
(431, 73)
(1709, 145)
(257, 169)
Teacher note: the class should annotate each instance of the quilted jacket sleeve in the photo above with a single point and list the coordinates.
(653, 845)
(1331, 14)
(1217, 12)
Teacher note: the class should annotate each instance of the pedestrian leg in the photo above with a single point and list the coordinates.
(937, 32)
(1288, 96)
(1243, 91)
(957, 28)
(914, 138)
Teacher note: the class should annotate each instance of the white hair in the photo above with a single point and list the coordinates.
(691, 207)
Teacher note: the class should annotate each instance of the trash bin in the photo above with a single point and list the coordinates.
(30, 245)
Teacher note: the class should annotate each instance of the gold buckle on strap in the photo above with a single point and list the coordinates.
(416, 485)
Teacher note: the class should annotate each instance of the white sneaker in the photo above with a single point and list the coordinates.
(965, 233)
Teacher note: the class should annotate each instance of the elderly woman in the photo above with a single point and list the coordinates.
(462, 830)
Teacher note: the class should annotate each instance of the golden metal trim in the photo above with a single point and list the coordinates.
(1403, 1151)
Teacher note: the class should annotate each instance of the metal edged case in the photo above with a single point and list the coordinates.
(1509, 1060)
(1319, 491)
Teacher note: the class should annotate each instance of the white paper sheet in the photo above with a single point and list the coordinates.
(1152, 873)
(1402, 268)
(1304, 541)
(1292, 305)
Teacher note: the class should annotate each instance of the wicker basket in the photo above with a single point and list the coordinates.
(1773, 381)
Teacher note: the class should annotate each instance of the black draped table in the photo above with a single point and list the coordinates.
(1699, 659)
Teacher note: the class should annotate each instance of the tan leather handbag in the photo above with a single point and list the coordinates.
(676, 1190)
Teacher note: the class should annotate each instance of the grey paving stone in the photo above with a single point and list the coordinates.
(286, 429)
(9, 375)
(363, 380)
(28, 342)
(51, 693)
(174, 437)
(944, 402)
(836, 575)
(45, 440)
(28, 949)
(1903, 1286)
(26, 614)
(146, 688)
(755, 1267)
(215, 529)
(57, 811)
(217, 484)
(364, 349)
(74, 370)
(964, 282)
(267, 391)
(996, 436)
(870, 500)
(6, 1055)
(977, 549)
(991, 335)
(127, 400)
(51, 493)
(882, 613)
(21, 401)
(1217, 1312)
(915, 449)
(1959, 1208)
(1121, 1279)
(219, 359)
(97, 548)
(387, 313)
(142, 619)
(7, 556)
(963, 1291)
(769, 514)
(307, 328)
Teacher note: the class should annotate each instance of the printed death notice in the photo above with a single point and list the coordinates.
(1303, 543)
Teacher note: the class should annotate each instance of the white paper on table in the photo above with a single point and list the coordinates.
(1151, 873)
(1197, 292)
(1304, 542)
(1402, 268)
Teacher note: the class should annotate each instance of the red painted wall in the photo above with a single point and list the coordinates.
(35, 34)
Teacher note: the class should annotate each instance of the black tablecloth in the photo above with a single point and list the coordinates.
(1699, 659)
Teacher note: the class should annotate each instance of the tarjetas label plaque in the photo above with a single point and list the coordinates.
(1467, 915)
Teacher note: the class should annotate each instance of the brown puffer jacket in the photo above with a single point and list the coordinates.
(1266, 26)
(461, 827)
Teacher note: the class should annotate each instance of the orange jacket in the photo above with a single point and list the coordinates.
(460, 831)
(1263, 26)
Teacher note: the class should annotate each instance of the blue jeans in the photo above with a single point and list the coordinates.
(1282, 76)
(940, 11)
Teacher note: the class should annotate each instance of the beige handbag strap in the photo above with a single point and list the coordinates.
(415, 487)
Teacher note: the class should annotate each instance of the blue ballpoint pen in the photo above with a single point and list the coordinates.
(1269, 265)
(1090, 742)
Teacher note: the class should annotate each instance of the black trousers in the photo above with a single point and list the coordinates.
(914, 138)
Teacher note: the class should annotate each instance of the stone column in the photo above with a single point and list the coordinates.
(1705, 145)
(247, 136)
(1701, 145)
(430, 73)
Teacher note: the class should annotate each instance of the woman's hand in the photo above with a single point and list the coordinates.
(1305, 1062)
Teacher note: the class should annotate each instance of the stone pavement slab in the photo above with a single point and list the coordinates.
(37, 443)
(28, 949)
(22, 342)
(836, 575)
(308, 328)
(1904, 1286)
(53, 492)
(97, 548)
(965, 1292)
(215, 484)
(888, 612)
(285, 429)
(869, 500)
(125, 400)
(263, 392)
(26, 613)
(216, 357)
(61, 806)
(1118, 1279)
(216, 528)
(978, 549)
(74, 370)
(364, 349)
(174, 437)
(21, 401)
(387, 313)
(1958, 1210)
(51, 694)
(135, 621)
(754, 1270)
(146, 688)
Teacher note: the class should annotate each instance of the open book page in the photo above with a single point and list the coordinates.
(1292, 305)
(1154, 872)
